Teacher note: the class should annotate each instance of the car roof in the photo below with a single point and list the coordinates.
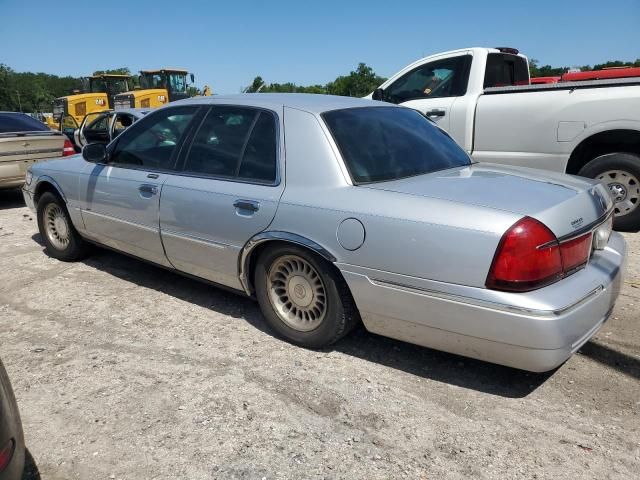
(313, 103)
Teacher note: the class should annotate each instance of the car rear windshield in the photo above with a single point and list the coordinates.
(19, 122)
(385, 143)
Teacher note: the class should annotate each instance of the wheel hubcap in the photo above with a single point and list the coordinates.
(56, 226)
(297, 293)
(624, 188)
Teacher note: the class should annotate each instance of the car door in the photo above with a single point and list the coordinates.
(95, 128)
(121, 198)
(227, 190)
(432, 88)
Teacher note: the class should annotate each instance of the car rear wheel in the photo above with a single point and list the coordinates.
(61, 239)
(621, 173)
(303, 297)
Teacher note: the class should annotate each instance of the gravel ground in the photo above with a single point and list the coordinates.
(126, 371)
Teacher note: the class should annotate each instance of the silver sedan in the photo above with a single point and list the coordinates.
(332, 211)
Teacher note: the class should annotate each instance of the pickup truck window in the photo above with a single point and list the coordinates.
(441, 78)
(379, 144)
(505, 70)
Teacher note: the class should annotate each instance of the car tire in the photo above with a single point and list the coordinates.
(60, 237)
(621, 173)
(303, 297)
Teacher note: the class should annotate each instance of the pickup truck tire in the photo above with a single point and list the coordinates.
(621, 173)
(303, 297)
(60, 237)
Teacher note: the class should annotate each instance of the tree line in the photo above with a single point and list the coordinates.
(35, 92)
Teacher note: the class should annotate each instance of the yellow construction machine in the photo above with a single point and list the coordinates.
(97, 94)
(157, 87)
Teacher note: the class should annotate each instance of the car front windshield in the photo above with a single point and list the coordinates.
(380, 144)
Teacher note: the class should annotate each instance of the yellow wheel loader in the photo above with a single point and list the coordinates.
(157, 87)
(97, 94)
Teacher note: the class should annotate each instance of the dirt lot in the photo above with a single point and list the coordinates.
(126, 371)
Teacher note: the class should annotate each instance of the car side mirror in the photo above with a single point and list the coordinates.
(95, 153)
(378, 94)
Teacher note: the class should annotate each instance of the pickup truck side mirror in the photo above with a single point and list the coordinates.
(378, 94)
(95, 153)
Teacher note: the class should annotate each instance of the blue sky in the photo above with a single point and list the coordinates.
(226, 44)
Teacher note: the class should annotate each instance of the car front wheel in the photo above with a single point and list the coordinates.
(61, 239)
(303, 297)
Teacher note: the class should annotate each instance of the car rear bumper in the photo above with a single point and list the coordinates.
(11, 182)
(535, 331)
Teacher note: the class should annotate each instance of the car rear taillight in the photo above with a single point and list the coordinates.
(6, 454)
(529, 256)
(575, 252)
(68, 148)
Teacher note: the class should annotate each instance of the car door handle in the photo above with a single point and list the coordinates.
(436, 112)
(148, 189)
(247, 205)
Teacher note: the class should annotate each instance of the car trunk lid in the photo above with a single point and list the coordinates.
(564, 203)
(19, 150)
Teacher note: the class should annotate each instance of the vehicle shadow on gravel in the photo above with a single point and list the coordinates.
(612, 358)
(30, 471)
(11, 199)
(420, 361)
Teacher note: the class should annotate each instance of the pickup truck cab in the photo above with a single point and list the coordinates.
(483, 98)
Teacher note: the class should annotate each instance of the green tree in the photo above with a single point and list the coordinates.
(113, 71)
(358, 83)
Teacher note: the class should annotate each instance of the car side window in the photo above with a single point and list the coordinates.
(100, 124)
(121, 123)
(234, 142)
(152, 141)
(442, 78)
(259, 159)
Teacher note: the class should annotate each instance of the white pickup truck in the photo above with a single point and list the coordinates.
(483, 99)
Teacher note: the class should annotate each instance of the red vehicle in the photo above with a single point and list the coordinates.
(604, 74)
(615, 72)
(541, 80)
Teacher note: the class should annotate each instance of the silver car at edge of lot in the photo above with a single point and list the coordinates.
(331, 210)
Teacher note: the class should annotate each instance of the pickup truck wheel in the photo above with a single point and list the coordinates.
(621, 173)
(61, 239)
(302, 297)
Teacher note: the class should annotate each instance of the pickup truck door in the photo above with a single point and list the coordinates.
(120, 200)
(226, 190)
(432, 87)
